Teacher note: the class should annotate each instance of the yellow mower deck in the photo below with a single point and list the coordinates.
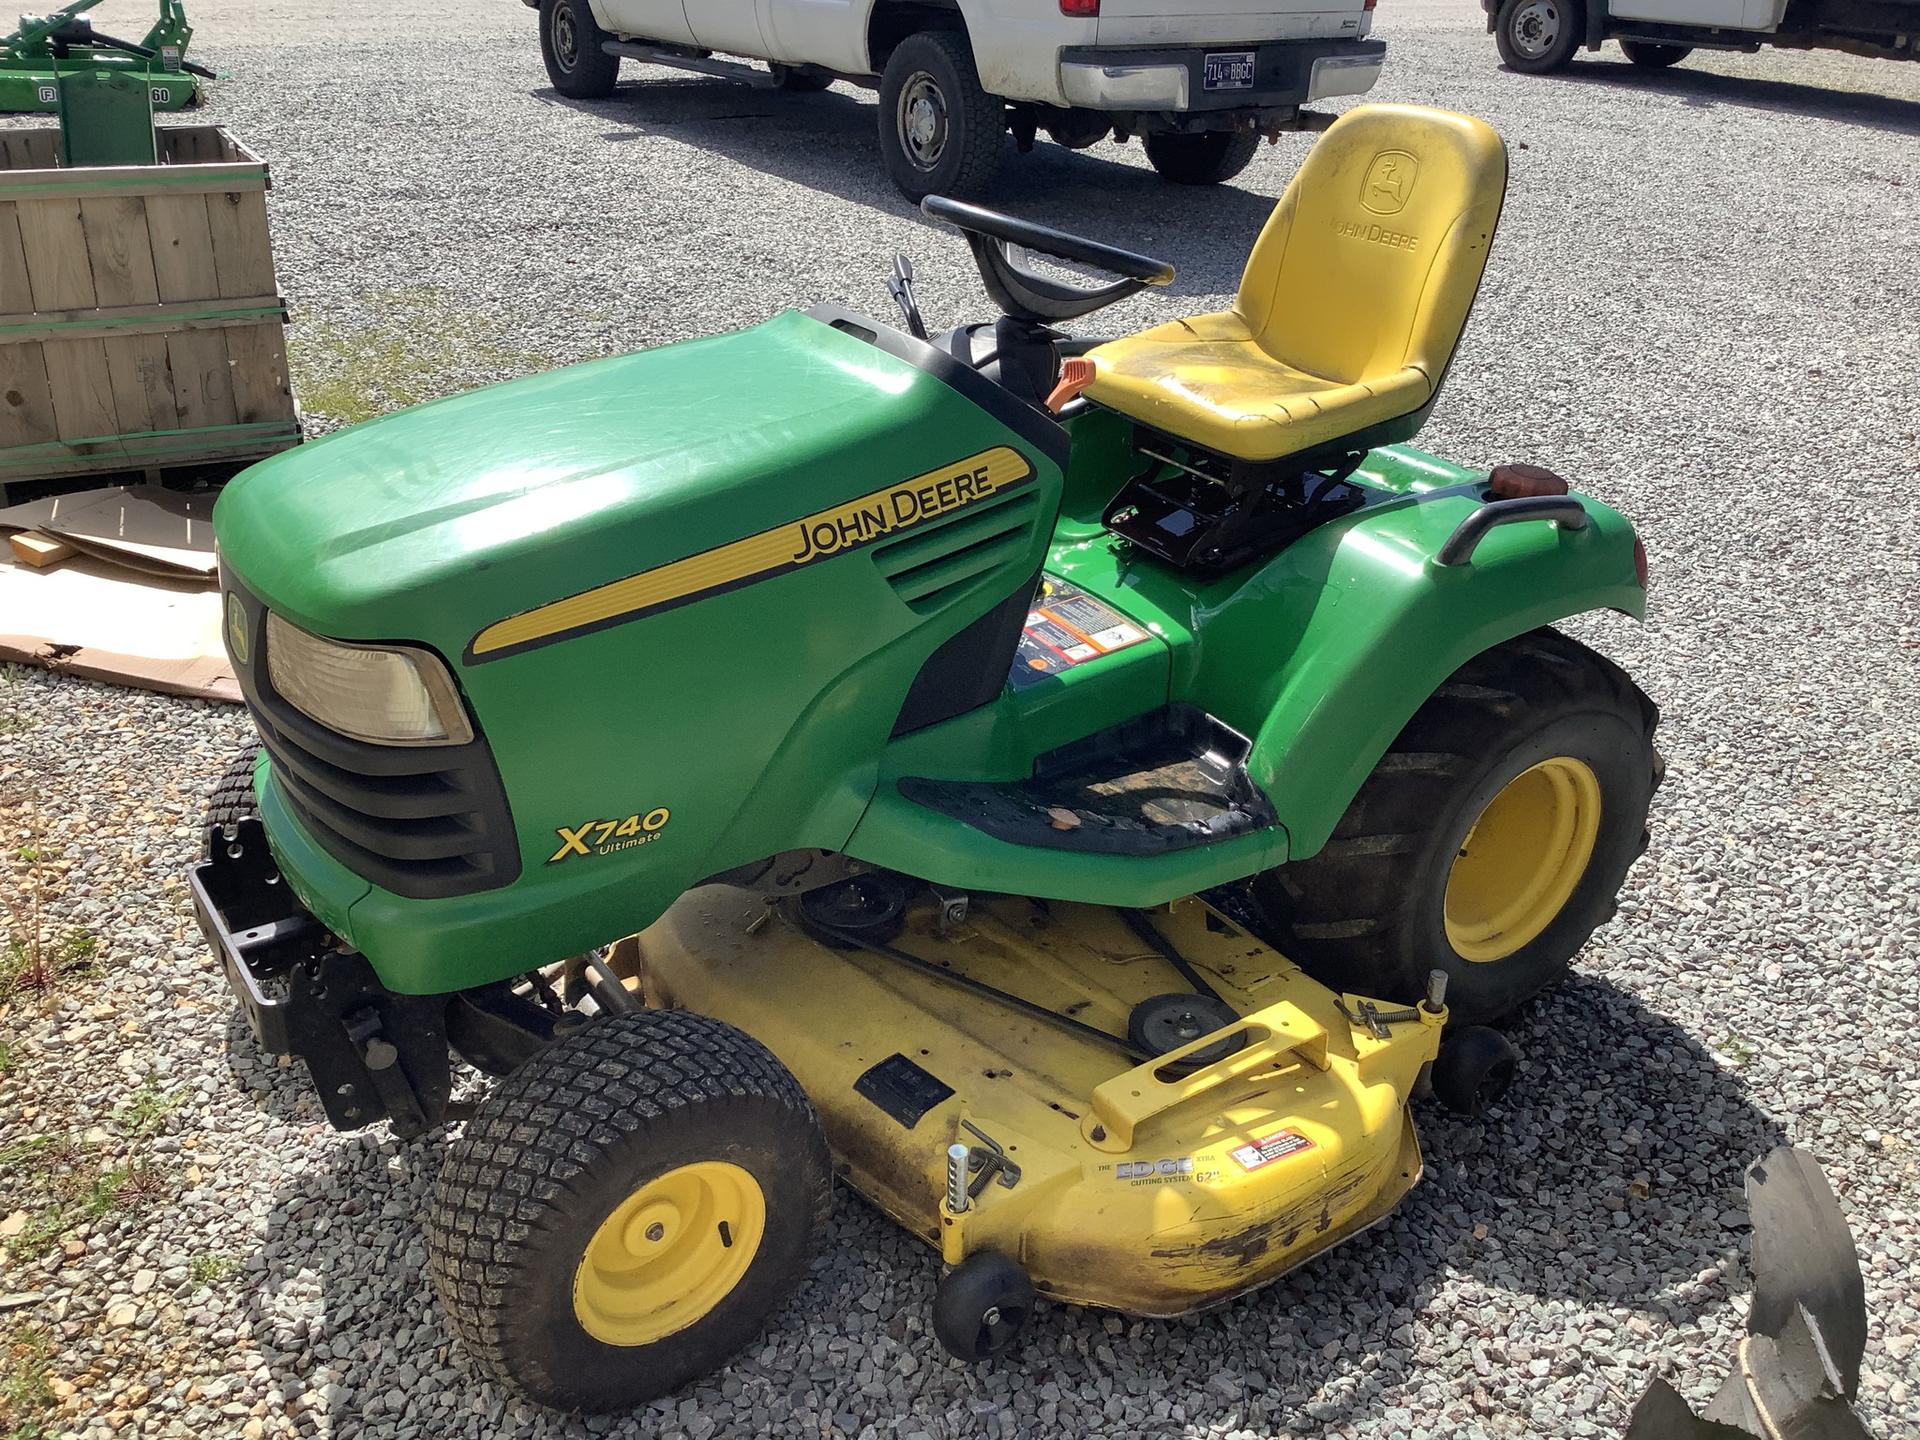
(1138, 1190)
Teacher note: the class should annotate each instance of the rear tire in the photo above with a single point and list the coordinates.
(1209, 158)
(940, 132)
(570, 41)
(1541, 752)
(1536, 37)
(589, 1235)
(1649, 56)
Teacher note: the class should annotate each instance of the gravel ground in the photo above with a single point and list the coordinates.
(1701, 305)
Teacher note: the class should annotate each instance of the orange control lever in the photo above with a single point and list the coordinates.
(1075, 375)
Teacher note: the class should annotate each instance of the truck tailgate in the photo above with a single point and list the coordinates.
(1211, 22)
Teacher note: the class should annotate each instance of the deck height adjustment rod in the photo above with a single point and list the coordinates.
(957, 1197)
(1436, 1000)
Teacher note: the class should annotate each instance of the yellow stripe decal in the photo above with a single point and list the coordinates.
(786, 547)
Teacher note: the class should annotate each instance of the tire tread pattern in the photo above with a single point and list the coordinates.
(1338, 911)
(512, 1178)
(978, 128)
(232, 794)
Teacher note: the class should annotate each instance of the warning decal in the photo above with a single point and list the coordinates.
(1068, 627)
(1269, 1148)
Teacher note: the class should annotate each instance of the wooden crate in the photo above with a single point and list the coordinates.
(141, 326)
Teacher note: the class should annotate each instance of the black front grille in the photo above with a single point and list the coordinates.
(424, 821)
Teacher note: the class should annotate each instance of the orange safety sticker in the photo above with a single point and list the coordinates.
(1067, 627)
(1269, 1148)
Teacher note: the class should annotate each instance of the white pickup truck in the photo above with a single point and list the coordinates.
(1200, 83)
(1536, 36)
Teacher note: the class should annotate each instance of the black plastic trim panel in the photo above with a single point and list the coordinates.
(970, 670)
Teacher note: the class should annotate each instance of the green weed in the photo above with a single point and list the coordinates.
(26, 1388)
(30, 964)
(12, 722)
(211, 1269)
(145, 1110)
(71, 1192)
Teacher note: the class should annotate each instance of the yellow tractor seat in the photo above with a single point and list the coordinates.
(1351, 305)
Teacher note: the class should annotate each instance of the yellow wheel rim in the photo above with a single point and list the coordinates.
(1522, 859)
(669, 1253)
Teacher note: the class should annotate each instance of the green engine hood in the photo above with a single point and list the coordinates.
(427, 524)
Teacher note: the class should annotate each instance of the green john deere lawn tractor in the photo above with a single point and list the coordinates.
(1079, 792)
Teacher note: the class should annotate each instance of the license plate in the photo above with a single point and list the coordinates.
(1228, 70)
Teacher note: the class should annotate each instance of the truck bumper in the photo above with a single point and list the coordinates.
(1285, 73)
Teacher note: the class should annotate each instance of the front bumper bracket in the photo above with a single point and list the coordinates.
(373, 1055)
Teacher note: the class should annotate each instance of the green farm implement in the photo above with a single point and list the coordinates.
(46, 50)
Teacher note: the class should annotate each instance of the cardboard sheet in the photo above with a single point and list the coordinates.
(107, 623)
(145, 527)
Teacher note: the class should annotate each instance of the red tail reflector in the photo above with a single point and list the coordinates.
(1640, 562)
(1370, 4)
(1086, 7)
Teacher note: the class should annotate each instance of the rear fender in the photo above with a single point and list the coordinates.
(1329, 651)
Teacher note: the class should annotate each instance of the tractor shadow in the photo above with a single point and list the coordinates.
(282, 1092)
(1706, 89)
(825, 142)
(1610, 1182)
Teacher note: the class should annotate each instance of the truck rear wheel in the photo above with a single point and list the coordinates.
(1537, 36)
(940, 132)
(627, 1209)
(570, 41)
(1649, 56)
(1212, 157)
(1490, 841)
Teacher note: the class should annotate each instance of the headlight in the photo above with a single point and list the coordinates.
(389, 694)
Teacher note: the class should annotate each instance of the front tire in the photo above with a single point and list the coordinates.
(1536, 37)
(1649, 56)
(232, 798)
(1212, 157)
(570, 41)
(940, 132)
(1490, 841)
(627, 1209)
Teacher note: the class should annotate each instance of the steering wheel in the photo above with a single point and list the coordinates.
(1000, 244)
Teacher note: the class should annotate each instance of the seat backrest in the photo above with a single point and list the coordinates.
(1371, 260)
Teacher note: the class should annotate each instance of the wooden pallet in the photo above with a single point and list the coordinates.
(141, 326)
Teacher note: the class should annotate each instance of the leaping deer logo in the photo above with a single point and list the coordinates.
(1389, 182)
